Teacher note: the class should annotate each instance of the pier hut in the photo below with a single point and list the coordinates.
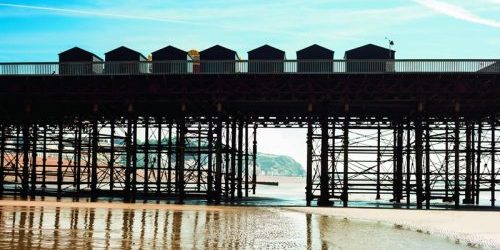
(266, 59)
(79, 61)
(380, 59)
(170, 60)
(123, 60)
(218, 59)
(315, 59)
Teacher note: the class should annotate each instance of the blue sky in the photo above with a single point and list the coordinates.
(39, 30)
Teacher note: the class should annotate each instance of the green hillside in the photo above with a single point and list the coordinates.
(278, 165)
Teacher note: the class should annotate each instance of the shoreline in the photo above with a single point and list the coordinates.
(472, 228)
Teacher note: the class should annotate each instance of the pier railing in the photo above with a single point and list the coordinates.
(254, 67)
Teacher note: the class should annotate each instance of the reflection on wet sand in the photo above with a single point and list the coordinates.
(111, 228)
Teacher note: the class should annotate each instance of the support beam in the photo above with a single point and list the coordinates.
(468, 167)
(2, 158)
(134, 157)
(60, 149)
(33, 159)
(254, 158)
(309, 177)
(493, 160)
(240, 159)
(210, 138)
(399, 163)
(446, 164)
(478, 161)
(26, 160)
(95, 146)
(408, 162)
(146, 154)
(181, 146)
(246, 160)
(44, 157)
(345, 187)
(233, 159)
(456, 194)
(324, 198)
(418, 160)
(111, 163)
(379, 153)
(218, 161)
(427, 166)
(198, 160)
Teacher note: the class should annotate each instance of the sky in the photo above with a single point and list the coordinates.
(36, 31)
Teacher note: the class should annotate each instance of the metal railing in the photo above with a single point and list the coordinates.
(254, 67)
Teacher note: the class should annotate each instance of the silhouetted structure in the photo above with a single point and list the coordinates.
(125, 60)
(382, 59)
(315, 52)
(225, 59)
(79, 61)
(259, 60)
(172, 60)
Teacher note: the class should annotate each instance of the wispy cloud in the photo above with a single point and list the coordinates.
(457, 12)
(90, 13)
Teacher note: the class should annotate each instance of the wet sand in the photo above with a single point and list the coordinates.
(65, 224)
(117, 205)
(472, 228)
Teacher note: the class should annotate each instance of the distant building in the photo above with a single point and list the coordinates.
(266, 59)
(170, 60)
(381, 59)
(218, 59)
(80, 62)
(315, 59)
(123, 60)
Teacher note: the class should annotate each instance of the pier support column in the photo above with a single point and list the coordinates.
(146, 154)
(399, 163)
(254, 159)
(408, 162)
(134, 157)
(309, 195)
(33, 159)
(427, 165)
(233, 159)
(246, 159)
(128, 157)
(324, 199)
(379, 134)
(218, 161)
(60, 149)
(468, 160)
(240, 158)
(2, 157)
(478, 160)
(181, 147)
(456, 194)
(26, 159)
(446, 163)
(111, 163)
(418, 160)
(95, 145)
(345, 187)
(44, 156)
(493, 155)
(210, 189)
(198, 159)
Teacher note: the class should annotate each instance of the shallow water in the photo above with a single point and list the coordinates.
(229, 228)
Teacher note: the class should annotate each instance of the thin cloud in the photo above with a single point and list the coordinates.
(92, 13)
(457, 12)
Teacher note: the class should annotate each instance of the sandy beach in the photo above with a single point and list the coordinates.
(472, 228)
